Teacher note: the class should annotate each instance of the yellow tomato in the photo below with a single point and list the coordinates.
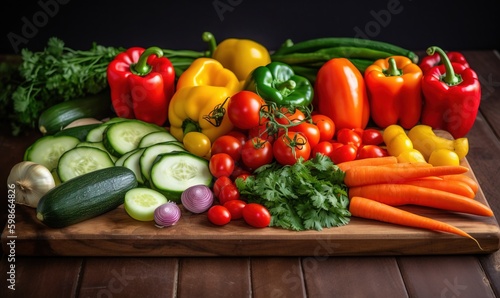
(391, 131)
(444, 157)
(197, 143)
(399, 144)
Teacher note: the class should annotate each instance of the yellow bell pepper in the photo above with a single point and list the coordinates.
(241, 56)
(201, 98)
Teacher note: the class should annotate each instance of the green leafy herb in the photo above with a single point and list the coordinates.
(307, 195)
(56, 74)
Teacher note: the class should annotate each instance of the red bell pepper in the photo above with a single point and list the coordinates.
(452, 94)
(430, 61)
(142, 82)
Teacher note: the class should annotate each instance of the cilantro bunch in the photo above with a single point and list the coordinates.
(56, 74)
(307, 195)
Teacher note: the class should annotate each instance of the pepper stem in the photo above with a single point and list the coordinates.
(142, 67)
(212, 44)
(450, 77)
(393, 70)
(289, 84)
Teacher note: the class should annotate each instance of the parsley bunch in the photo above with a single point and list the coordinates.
(307, 195)
(56, 74)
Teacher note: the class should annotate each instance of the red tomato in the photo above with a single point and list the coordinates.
(235, 207)
(372, 137)
(227, 144)
(311, 131)
(348, 136)
(221, 164)
(324, 147)
(367, 151)
(219, 215)
(288, 148)
(336, 145)
(325, 125)
(228, 192)
(344, 153)
(261, 131)
(256, 152)
(256, 215)
(219, 183)
(239, 135)
(243, 109)
(239, 170)
(286, 117)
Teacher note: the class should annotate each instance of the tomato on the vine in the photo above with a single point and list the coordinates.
(219, 215)
(369, 151)
(309, 130)
(286, 116)
(289, 147)
(256, 152)
(344, 153)
(221, 164)
(256, 215)
(243, 109)
(325, 125)
(229, 145)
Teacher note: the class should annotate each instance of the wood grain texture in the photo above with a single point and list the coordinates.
(278, 277)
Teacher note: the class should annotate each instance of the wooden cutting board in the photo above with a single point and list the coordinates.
(116, 234)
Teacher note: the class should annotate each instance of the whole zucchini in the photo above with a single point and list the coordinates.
(85, 196)
(59, 115)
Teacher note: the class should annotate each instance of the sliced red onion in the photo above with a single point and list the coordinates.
(167, 214)
(197, 198)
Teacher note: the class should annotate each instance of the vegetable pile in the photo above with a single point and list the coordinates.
(302, 138)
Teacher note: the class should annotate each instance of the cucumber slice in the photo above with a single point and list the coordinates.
(174, 172)
(82, 160)
(48, 149)
(122, 137)
(96, 134)
(132, 162)
(120, 160)
(98, 145)
(155, 138)
(151, 153)
(140, 203)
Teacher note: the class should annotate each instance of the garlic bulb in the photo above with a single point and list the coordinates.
(31, 181)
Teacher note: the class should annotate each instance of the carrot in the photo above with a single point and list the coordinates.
(463, 178)
(365, 175)
(369, 209)
(456, 187)
(408, 165)
(404, 194)
(373, 161)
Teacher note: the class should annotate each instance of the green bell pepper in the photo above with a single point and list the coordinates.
(277, 82)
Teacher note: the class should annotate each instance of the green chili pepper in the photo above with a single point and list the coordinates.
(278, 83)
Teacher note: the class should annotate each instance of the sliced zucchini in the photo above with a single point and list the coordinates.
(150, 153)
(122, 137)
(155, 138)
(82, 160)
(174, 172)
(132, 162)
(48, 149)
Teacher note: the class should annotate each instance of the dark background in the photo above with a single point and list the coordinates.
(413, 24)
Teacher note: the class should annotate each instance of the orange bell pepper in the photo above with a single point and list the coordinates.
(340, 94)
(394, 91)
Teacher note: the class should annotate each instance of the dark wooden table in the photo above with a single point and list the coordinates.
(308, 276)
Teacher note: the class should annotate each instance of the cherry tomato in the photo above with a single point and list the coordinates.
(323, 147)
(227, 144)
(239, 135)
(348, 136)
(228, 192)
(235, 207)
(344, 153)
(399, 144)
(221, 164)
(372, 136)
(239, 170)
(219, 183)
(310, 131)
(369, 151)
(243, 109)
(336, 145)
(288, 148)
(219, 215)
(197, 143)
(256, 215)
(325, 125)
(286, 116)
(256, 152)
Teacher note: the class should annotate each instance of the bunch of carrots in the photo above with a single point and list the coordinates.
(378, 185)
